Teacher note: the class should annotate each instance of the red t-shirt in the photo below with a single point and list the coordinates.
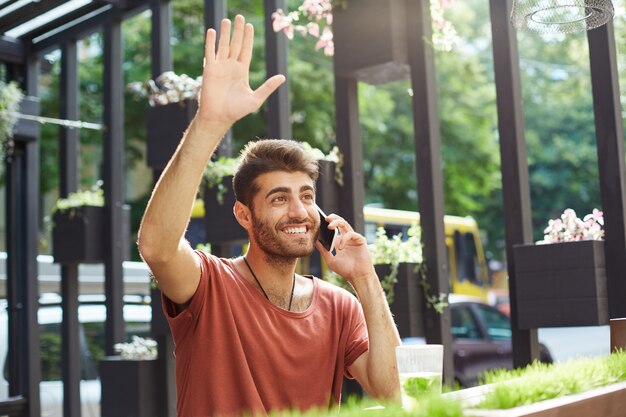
(237, 352)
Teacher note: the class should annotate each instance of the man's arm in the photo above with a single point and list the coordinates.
(225, 97)
(376, 369)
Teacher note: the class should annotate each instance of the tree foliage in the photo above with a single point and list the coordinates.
(558, 114)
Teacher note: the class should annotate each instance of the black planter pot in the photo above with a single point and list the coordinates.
(219, 221)
(158, 324)
(27, 130)
(130, 388)
(370, 40)
(166, 125)
(78, 235)
(327, 189)
(408, 306)
(561, 284)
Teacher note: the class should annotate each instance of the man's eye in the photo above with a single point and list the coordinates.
(308, 197)
(279, 199)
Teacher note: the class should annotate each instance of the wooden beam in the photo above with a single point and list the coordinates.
(429, 174)
(160, 37)
(515, 186)
(610, 147)
(113, 182)
(278, 105)
(68, 170)
(350, 144)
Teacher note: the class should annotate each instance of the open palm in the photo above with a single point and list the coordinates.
(226, 95)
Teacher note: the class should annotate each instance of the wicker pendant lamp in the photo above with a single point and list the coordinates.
(560, 16)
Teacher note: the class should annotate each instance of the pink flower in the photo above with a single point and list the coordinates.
(313, 29)
(326, 41)
(279, 20)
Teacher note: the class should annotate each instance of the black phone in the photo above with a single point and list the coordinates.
(326, 236)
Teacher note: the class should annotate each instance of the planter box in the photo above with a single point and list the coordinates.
(78, 235)
(408, 304)
(166, 125)
(158, 322)
(27, 130)
(370, 40)
(609, 401)
(219, 221)
(561, 284)
(327, 189)
(130, 388)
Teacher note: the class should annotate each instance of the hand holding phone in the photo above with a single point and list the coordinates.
(326, 236)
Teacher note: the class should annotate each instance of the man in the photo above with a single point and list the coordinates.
(251, 335)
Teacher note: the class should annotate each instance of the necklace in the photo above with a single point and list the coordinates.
(293, 286)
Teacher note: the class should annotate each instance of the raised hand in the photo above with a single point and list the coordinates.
(226, 95)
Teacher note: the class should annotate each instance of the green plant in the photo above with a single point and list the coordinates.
(215, 172)
(92, 197)
(10, 98)
(334, 155)
(539, 381)
(396, 250)
(428, 406)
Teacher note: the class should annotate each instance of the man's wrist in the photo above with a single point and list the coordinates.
(368, 286)
(201, 126)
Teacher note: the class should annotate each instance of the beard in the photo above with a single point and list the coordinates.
(268, 240)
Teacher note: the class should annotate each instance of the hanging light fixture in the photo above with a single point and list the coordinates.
(560, 16)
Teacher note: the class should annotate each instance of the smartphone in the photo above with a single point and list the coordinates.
(326, 236)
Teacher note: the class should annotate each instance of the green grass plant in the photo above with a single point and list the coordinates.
(433, 405)
(539, 381)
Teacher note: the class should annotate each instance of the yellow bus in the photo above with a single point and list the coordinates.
(466, 257)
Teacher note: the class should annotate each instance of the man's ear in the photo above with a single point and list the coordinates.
(242, 214)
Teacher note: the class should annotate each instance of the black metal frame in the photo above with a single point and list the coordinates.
(22, 57)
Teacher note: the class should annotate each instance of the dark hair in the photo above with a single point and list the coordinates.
(269, 155)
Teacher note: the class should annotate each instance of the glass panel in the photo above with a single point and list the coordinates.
(498, 326)
(463, 324)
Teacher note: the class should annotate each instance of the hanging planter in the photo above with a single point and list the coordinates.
(408, 305)
(166, 125)
(561, 284)
(78, 233)
(130, 388)
(561, 281)
(27, 130)
(330, 180)
(370, 40)
(219, 221)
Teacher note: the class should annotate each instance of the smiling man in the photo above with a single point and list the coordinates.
(251, 335)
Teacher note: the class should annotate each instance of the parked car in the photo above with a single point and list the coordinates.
(481, 339)
(91, 315)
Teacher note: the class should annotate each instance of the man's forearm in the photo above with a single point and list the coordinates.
(383, 339)
(169, 209)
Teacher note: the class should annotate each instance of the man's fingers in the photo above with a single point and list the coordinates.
(237, 38)
(327, 256)
(222, 51)
(269, 86)
(248, 42)
(209, 46)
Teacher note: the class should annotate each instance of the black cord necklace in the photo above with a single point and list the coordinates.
(293, 286)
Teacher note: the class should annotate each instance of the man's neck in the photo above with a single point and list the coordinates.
(279, 268)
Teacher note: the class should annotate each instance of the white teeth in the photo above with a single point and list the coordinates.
(294, 230)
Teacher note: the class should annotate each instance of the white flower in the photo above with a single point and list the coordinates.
(569, 228)
(138, 349)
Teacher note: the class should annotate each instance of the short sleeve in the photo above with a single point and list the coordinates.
(358, 341)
